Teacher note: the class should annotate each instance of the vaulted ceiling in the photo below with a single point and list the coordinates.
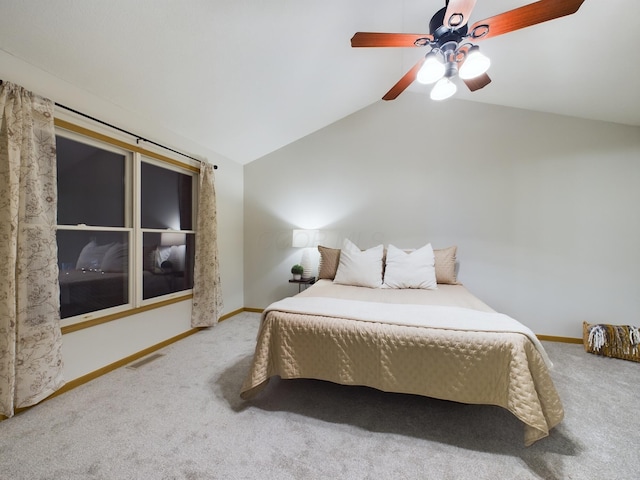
(245, 78)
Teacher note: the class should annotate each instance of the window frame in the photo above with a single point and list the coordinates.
(134, 155)
(142, 230)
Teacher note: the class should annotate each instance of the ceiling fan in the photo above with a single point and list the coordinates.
(451, 40)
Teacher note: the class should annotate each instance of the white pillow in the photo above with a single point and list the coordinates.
(360, 268)
(415, 269)
(91, 256)
(162, 254)
(116, 259)
(176, 257)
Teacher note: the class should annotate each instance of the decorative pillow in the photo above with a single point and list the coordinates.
(149, 257)
(91, 255)
(162, 254)
(446, 265)
(176, 257)
(153, 256)
(116, 259)
(329, 259)
(415, 269)
(360, 268)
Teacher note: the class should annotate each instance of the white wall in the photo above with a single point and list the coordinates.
(90, 349)
(543, 208)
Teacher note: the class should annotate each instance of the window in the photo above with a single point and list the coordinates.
(125, 227)
(166, 218)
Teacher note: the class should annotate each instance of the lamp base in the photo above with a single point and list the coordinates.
(306, 264)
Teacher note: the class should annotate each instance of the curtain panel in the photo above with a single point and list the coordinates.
(30, 337)
(207, 293)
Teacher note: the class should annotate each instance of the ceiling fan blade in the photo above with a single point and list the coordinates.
(373, 39)
(458, 12)
(523, 17)
(404, 82)
(476, 83)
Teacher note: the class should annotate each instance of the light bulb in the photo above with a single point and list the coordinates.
(475, 64)
(432, 69)
(443, 89)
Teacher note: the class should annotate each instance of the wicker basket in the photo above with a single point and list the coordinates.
(616, 341)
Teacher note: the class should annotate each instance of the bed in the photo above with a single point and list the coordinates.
(440, 342)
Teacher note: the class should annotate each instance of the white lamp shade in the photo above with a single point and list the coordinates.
(173, 238)
(443, 89)
(432, 69)
(475, 64)
(305, 238)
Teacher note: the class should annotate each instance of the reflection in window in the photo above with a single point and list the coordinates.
(104, 209)
(167, 262)
(166, 198)
(94, 270)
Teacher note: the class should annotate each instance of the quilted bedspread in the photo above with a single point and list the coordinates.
(460, 361)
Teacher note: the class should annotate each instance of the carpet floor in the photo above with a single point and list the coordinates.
(180, 417)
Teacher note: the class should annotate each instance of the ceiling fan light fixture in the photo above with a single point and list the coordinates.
(444, 89)
(475, 64)
(448, 31)
(432, 69)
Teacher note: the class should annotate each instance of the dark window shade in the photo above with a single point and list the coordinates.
(91, 185)
(166, 198)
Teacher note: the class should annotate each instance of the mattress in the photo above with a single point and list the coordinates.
(443, 343)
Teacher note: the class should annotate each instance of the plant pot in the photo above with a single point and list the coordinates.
(297, 276)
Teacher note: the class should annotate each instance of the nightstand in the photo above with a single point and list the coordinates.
(303, 281)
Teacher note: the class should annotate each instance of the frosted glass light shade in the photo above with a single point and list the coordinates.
(475, 64)
(305, 238)
(443, 89)
(432, 69)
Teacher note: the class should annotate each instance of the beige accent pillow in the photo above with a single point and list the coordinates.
(329, 260)
(446, 265)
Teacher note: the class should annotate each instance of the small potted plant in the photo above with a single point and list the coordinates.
(297, 270)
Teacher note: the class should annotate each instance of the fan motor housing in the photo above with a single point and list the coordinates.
(442, 33)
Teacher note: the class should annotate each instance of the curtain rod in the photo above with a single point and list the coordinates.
(138, 137)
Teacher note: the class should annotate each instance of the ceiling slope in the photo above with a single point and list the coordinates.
(245, 78)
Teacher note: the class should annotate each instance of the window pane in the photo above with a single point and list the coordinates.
(94, 270)
(166, 200)
(91, 185)
(167, 262)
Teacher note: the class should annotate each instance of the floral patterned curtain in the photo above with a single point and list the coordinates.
(207, 293)
(30, 337)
